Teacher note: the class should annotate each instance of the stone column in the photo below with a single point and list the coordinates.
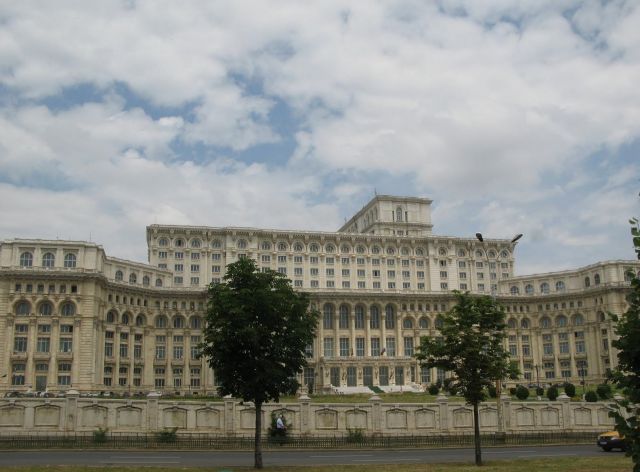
(71, 410)
(443, 406)
(305, 413)
(567, 421)
(152, 411)
(376, 413)
(229, 414)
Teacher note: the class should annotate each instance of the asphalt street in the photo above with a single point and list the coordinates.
(290, 458)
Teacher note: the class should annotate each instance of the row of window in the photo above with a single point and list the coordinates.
(18, 376)
(345, 349)
(344, 318)
(45, 308)
(545, 288)
(161, 321)
(299, 246)
(48, 260)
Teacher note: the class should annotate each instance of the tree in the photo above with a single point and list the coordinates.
(471, 347)
(257, 330)
(627, 375)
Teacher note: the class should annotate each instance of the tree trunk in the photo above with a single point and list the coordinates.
(476, 434)
(257, 454)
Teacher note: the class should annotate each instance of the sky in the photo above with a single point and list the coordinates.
(514, 116)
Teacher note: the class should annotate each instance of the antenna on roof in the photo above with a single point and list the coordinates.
(375, 191)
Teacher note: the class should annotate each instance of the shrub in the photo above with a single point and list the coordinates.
(539, 391)
(591, 396)
(604, 391)
(522, 393)
(100, 436)
(355, 435)
(570, 389)
(168, 435)
(450, 387)
(433, 389)
(493, 393)
(552, 393)
(512, 391)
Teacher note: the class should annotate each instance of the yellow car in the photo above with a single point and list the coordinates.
(611, 440)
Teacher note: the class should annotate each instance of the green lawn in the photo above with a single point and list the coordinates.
(610, 463)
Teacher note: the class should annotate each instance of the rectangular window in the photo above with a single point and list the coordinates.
(329, 260)
(345, 273)
(344, 347)
(313, 271)
(313, 259)
(329, 272)
(297, 271)
(161, 352)
(375, 347)
(408, 346)
(178, 267)
(391, 347)
(360, 347)
(20, 344)
(297, 283)
(315, 284)
(195, 268)
(282, 259)
(391, 262)
(376, 285)
(66, 344)
(360, 261)
(265, 258)
(391, 285)
(178, 352)
(297, 259)
(43, 345)
(108, 349)
(282, 270)
(328, 347)
(331, 284)
(375, 262)
(425, 375)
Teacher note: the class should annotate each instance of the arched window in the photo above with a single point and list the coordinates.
(512, 323)
(407, 323)
(439, 322)
(195, 243)
(492, 254)
(344, 317)
(161, 321)
(119, 275)
(141, 320)
(461, 253)
(179, 242)
(330, 248)
(48, 260)
(424, 322)
(163, 242)
(216, 244)
(360, 249)
(561, 321)
(313, 247)
(327, 316)
(112, 316)
(544, 287)
(391, 250)
(545, 322)
(578, 320)
(560, 287)
(374, 317)
(528, 289)
(23, 308)
(68, 309)
(345, 249)
(133, 278)
(359, 314)
(298, 247)
(126, 319)
(479, 253)
(158, 282)
(282, 246)
(195, 322)
(390, 317)
(587, 282)
(596, 279)
(178, 322)
(45, 309)
(515, 290)
(442, 251)
(504, 254)
(375, 250)
(398, 214)
(525, 324)
(26, 259)
(419, 252)
(145, 280)
(70, 260)
(242, 244)
(405, 251)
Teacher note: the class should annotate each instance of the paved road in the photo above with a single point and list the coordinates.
(289, 458)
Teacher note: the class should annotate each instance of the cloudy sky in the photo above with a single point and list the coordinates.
(512, 115)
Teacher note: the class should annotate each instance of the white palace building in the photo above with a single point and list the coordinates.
(72, 316)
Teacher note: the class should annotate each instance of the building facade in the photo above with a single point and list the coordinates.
(72, 316)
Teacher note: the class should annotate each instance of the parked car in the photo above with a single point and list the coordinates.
(611, 440)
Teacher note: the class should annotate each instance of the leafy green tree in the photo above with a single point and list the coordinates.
(627, 375)
(471, 348)
(256, 333)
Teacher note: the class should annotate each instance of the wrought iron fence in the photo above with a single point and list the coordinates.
(218, 442)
